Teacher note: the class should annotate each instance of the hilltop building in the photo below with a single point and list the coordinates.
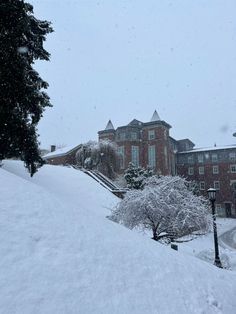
(149, 144)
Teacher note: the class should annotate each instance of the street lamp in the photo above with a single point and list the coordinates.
(212, 197)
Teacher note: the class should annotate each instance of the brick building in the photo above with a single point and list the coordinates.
(150, 144)
(143, 144)
(212, 167)
(64, 156)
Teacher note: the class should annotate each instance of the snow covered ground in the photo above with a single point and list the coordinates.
(59, 254)
(203, 246)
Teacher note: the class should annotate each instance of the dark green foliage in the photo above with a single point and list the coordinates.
(22, 99)
(135, 176)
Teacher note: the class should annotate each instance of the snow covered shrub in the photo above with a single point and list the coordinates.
(166, 206)
(135, 176)
(101, 156)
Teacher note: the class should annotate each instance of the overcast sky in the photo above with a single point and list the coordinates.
(122, 59)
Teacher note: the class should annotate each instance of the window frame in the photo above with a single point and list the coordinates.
(152, 156)
(151, 135)
(201, 172)
(121, 152)
(204, 186)
(190, 159)
(231, 167)
(232, 156)
(215, 185)
(214, 159)
(215, 167)
(191, 173)
(135, 156)
(200, 160)
(133, 138)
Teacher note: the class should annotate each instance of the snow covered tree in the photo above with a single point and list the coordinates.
(135, 176)
(102, 156)
(22, 99)
(166, 206)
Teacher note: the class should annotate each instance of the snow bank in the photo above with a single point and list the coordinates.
(59, 254)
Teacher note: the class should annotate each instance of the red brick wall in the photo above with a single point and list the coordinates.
(226, 193)
(161, 141)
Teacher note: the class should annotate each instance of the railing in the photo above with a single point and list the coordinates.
(105, 182)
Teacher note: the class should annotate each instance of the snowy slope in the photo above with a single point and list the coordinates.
(59, 254)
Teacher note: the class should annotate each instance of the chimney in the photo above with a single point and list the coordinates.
(53, 148)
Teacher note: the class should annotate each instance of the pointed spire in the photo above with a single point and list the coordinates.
(109, 126)
(155, 117)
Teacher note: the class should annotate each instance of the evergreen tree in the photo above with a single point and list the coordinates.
(22, 99)
(135, 176)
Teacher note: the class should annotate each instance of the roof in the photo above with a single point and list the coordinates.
(207, 149)
(109, 126)
(135, 122)
(61, 152)
(155, 117)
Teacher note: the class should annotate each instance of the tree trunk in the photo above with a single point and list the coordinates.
(154, 233)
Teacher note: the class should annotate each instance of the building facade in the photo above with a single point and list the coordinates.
(149, 144)
(212, 167)
(143, 144)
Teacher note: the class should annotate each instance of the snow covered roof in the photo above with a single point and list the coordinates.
(61, 151)
(155, 117)
(203, 149)
(109, 126)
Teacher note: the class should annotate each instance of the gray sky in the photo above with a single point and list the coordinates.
(122, 59)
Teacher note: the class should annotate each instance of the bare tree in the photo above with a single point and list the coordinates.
(166, 206)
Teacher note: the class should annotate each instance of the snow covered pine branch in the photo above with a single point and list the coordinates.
(166, 206)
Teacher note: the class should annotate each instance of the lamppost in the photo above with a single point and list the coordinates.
(212, 197)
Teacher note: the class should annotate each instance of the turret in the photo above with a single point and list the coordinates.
(108, 133)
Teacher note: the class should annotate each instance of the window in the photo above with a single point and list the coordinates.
(165, 154)
(200, 158)
(135, 155)
(201, 170)
(151, 134)
(215, 169)
(207, 156)
(214, 157)
(165, 134)
(217, 185)
(152, 156)
(190, 159)
(232, 156)
(190, 171)
(202, 185)
(122, 136)
(121, 152)
(233, 184)
(233, 168)
(133, 136)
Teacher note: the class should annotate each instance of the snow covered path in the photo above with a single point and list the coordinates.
(59, 254)
(228, 239)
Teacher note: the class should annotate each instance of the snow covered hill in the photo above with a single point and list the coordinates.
(59, 254)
